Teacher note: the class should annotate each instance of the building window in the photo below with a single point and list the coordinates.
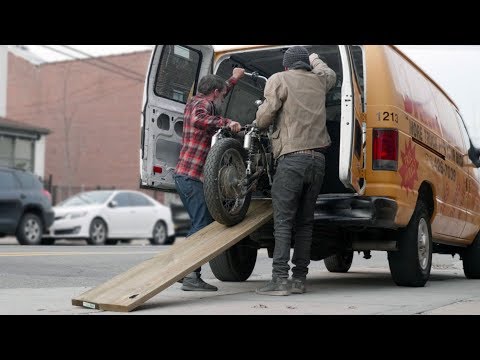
(16, 152)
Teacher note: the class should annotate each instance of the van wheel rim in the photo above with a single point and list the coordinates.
(423, 244)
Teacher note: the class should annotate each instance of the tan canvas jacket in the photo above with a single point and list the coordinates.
(295, 105)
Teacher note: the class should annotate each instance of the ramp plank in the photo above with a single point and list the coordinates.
(131, 289)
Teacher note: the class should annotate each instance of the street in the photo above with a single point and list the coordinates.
(43, 280)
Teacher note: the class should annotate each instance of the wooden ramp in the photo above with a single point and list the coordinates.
(131, 289)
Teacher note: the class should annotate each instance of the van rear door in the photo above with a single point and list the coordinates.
(172, 78)
(352, 132)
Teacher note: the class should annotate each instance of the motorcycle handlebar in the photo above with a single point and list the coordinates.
(255, 75)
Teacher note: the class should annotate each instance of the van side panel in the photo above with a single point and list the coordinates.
(431, 150)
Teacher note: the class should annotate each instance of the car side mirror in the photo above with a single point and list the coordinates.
(474, 155)
(113, 204)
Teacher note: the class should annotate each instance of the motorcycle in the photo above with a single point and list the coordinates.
(237, 168)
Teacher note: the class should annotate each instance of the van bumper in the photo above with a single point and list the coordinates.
(351, 210)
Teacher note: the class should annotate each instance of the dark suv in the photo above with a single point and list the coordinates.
(25, 207)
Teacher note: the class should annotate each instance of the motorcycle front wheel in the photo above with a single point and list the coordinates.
(224, 188)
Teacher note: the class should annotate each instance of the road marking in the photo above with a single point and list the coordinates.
(73, 253)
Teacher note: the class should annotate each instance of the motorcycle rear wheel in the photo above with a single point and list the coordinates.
(224, 173)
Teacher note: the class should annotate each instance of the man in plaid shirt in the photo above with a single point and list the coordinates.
(200, 124)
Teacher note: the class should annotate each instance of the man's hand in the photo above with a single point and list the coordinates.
(313, 57)
(235, 126)
(238, 73)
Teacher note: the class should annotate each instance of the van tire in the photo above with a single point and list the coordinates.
(235, 264)
(471, 260)
(339, 263)
(213, 181)
(411, 264)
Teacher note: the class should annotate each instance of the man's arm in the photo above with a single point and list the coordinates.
(320, 68)
(238, 73)
(267, 112)
(203, 118)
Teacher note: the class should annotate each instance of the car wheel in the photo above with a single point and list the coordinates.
(159, 235)
(98, 232)
(30, 230)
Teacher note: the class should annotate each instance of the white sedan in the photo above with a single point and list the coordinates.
(104, 217)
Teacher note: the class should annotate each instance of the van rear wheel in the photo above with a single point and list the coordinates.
(339, 263)
(235, 264)
(411, 264)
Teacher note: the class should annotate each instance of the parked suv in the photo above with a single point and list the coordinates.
(25, 206)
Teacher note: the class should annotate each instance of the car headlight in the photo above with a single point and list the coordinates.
(76, 215)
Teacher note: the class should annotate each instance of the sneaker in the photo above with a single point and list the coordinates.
(197, 284)
(298, 286)
(276, 287)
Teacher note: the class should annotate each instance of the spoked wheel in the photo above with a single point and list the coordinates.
(225, 193)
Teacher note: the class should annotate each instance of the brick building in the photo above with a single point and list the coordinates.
(92, 109)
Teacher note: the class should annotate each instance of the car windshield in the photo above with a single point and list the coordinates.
(87, 198)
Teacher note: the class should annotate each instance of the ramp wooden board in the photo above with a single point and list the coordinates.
(131, 289)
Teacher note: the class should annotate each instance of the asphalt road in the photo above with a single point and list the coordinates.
(44, 279)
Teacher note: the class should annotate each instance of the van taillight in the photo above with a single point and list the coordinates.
(385, 149)
(157, 170)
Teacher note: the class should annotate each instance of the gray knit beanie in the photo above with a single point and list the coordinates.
(296, 55)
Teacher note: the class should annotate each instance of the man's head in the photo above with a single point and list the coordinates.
(296, 56)
(215, 87)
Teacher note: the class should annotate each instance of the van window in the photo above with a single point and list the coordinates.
(463, 130)
(178, 72)
(357, 55)
(448, 121)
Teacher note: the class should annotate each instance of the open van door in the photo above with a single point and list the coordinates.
(352, 128)
(172, 78)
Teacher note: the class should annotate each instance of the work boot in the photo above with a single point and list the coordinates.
(298, 286)
(193, 282)
(276, 287)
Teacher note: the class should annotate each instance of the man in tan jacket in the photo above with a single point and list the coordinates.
(295, 105)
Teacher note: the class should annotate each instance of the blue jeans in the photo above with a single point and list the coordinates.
(193, 198)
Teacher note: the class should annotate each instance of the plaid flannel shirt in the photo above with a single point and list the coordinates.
(199, 125)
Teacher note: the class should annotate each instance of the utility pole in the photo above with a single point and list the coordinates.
(3, 79)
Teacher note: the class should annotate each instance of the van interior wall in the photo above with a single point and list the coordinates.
(240, 104)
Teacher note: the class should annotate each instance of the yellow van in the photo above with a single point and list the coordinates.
(401, 175)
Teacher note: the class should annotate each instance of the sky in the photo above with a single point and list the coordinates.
(456, 68)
